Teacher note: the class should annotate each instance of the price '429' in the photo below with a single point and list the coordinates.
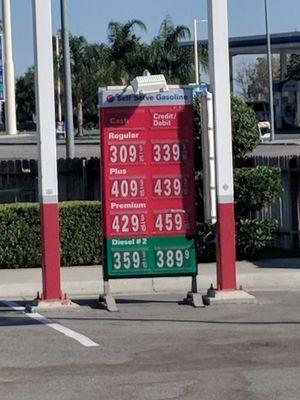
(133, 223)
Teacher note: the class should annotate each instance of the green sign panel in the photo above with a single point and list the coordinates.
(164, 256)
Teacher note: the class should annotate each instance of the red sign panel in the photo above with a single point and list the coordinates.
(148, 164)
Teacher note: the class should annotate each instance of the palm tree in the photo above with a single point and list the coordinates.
(90, 69)
(166, 56)
(125, 48)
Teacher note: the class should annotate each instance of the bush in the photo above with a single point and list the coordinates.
(20, 244)
(80, 232)
(254, 235)
(244, 128)
(255, 187)
(20, 236)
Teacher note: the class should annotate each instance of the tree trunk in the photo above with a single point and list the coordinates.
(79, 118)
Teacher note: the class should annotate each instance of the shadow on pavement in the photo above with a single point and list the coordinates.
(180, 321)
(281, 263)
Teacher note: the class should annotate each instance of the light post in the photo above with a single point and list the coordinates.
(70, 150)
(196, 53)
(270, 73)
(10, 102)
(58, 78)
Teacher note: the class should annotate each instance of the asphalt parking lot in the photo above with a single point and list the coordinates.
(153, 349)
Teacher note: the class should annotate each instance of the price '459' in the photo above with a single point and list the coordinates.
(170, 222)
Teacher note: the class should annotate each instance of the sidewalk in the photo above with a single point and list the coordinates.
(273, 274)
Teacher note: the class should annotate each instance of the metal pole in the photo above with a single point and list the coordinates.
(47, 164)
(58, 79)
(196, 53)
(10, 102)
(70, 150)
(208, 158)
(270, 73)
(220, 85)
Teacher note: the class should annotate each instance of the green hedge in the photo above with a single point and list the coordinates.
(255, 187)
(80, 225)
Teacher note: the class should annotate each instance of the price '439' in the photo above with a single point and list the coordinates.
(170, 187)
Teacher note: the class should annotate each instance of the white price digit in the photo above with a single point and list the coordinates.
(132, 153)
(116, 224)
(167, 152)
(179, 258)
(176, 152)
(159, 223)
(169, 222)
(157, 153)
(125, 223)
(126, 259)
(157, 187)
(177, 186)
(117, 260)
(124, 188)
(113, 154)
(136, 259)
(115, 189)
(168, 190)
(170, 259)
(133, 188)
(160, 258)
(123, 154)
(178, 222)
(135, 223)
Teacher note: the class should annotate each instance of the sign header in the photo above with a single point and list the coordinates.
(126, 98)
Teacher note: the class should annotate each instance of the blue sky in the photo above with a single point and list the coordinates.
(91, 17)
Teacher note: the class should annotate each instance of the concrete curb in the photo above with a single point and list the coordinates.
(283, 274)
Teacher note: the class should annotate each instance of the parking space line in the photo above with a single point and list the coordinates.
(84, 340)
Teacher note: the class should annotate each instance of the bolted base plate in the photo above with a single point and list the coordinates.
(46, 305)
(193, 299)
(215, 297)
(108, 302)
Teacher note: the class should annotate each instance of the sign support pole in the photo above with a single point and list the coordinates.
(220, 86)
(47, 164)
(10, 96)
(220, 83)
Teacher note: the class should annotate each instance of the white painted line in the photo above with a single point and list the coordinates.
(84, 340)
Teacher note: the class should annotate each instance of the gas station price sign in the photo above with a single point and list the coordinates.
(148, 190)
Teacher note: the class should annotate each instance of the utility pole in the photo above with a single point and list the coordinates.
(10, 102)
(270, 72)
(70, 150)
